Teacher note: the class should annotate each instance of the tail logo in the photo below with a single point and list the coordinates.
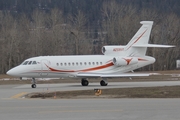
(137, 39)
(128, 60)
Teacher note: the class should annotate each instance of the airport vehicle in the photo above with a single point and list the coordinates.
(116, 61)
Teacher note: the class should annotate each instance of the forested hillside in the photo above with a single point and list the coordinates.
(31, 28)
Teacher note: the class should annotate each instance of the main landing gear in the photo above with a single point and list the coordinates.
(85, 82)
(33, 81)
(104, 82)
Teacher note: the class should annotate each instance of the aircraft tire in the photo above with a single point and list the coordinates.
(103, 83)
(33, 85)
(84, 82)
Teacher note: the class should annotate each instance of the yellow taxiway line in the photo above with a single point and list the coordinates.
(18, 95)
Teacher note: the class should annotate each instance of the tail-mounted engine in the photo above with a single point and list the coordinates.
(112, 50)
(122, 61)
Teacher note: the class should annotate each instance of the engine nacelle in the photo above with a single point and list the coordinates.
(112, 50)
(122, 61)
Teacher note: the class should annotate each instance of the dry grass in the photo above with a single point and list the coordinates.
(144, 92)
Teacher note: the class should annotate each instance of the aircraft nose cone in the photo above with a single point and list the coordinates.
(9, 72)
(12, 72)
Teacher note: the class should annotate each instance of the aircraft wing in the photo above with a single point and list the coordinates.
(84, 74)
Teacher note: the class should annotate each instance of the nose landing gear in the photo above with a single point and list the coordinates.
(33, 85)
(33, 81)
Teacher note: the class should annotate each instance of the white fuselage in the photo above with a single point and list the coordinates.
(70, 66)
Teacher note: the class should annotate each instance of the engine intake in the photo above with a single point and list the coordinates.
(112, 50)
(122, 61)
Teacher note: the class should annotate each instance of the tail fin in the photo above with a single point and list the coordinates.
(139, 43)
(140, 38)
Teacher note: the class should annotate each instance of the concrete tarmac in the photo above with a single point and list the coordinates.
(90, 109)
(14, 108)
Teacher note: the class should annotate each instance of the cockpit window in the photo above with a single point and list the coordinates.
(34, 62)
(25, 63)
(29, 62)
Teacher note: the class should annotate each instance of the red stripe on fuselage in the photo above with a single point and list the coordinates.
(84, 70)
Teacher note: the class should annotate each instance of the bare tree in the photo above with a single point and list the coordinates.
(119, 21)
(45, 33)
(167, 32)
(110, 13)
(77, 30)
(8, 27)
(38, 32)
(57, 32)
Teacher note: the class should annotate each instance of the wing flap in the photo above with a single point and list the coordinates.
(112, 75)
(86, 74)
(126, 75)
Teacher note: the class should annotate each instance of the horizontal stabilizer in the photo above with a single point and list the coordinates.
(112, 75)
(153, 45)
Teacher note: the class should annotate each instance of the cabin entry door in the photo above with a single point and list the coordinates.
(44, 68)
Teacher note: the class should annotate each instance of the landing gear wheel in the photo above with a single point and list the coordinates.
(33, 81)
(84, 82)
(33, 85)
(103, 83)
